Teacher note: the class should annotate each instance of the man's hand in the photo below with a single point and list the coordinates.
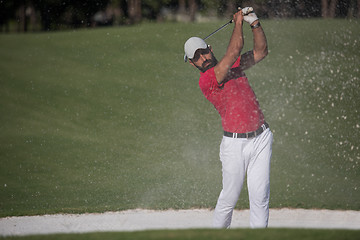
(246, 10)
(238, 17)
(251, 17)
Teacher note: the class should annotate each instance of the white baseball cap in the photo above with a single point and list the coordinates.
(193, 44)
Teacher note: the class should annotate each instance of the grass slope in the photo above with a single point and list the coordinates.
(112, 119)
(239, 234)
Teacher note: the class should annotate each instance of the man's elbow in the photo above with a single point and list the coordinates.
(264, 52)
(260, 55)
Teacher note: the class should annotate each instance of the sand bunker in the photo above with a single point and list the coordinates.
(139, 219)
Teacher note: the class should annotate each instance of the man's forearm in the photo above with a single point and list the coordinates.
(260, 43)
(236, 41)
(233, 51)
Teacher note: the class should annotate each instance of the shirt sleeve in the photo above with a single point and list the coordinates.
(237, 62)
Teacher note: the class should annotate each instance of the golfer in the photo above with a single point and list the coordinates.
(247, 142)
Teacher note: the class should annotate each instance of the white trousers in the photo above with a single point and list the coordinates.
(241, 156)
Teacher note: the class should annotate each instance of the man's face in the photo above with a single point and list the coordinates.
(203, 59)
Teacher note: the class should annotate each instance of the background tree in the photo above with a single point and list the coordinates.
(328, 8)
(134, 11)
(193, 7)
(230, 7)
(182, 7)
(50, 12)
(7, 9)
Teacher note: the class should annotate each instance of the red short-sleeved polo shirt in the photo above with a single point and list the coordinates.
(234, 99)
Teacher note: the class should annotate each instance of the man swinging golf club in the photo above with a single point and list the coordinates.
(247, 142)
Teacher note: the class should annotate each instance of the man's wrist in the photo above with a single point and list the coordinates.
(255, 25)
(255, 22)
(240, 23)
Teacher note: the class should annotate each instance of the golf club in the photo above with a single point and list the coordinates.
(218, 29)
(245, 11)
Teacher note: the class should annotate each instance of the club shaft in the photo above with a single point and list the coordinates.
(218, 29)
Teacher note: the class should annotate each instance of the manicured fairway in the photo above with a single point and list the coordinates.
(111, 119)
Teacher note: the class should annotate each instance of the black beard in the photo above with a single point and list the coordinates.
(212, 64)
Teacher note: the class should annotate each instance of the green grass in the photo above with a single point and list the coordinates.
(111, 119)
(239, 234)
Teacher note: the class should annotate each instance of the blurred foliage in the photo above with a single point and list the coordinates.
(48, 15)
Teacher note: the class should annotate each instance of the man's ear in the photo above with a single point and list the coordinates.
(210, 47)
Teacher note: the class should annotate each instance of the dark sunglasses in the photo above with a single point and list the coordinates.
(200, 52)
